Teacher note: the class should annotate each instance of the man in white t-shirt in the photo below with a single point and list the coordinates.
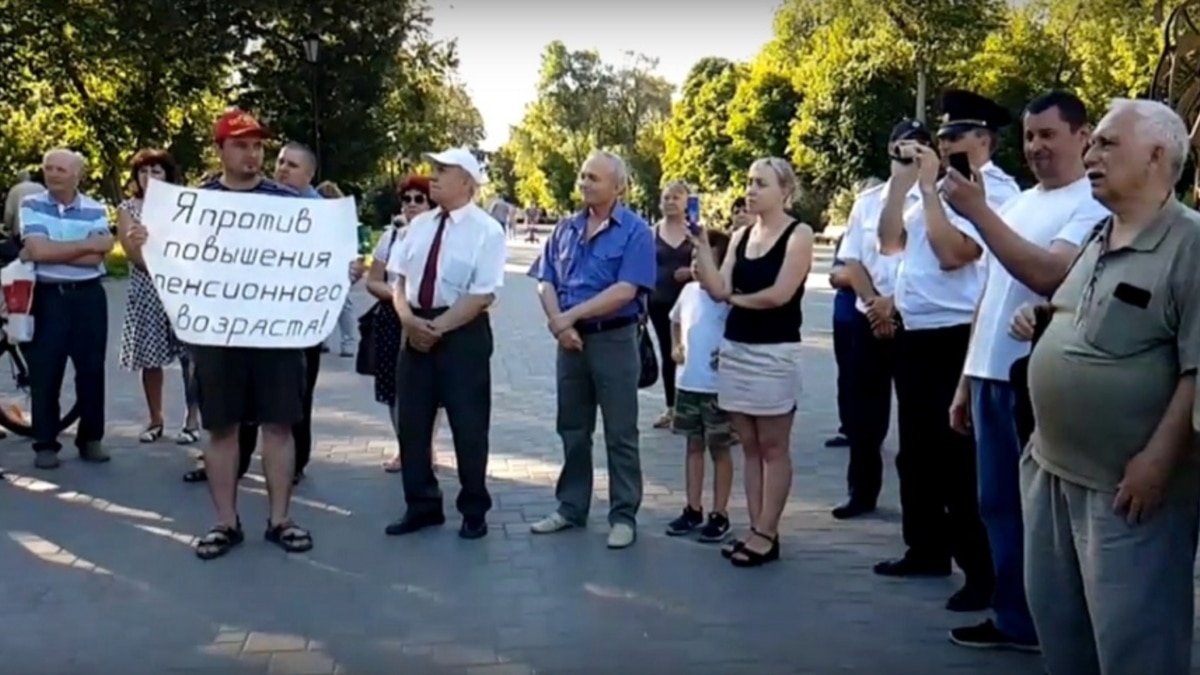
(1031, 242)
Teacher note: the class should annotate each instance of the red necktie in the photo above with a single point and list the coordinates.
(429, 278)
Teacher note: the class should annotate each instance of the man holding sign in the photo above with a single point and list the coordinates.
(250, 276)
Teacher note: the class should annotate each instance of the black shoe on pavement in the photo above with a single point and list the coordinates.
(987, 636)
(689, 520)
(716, 529)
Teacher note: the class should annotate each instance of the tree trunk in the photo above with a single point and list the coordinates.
(922, 92)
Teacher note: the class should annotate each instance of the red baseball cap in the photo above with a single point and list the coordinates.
(235, 123)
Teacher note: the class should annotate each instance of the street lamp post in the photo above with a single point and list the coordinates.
(312, 54)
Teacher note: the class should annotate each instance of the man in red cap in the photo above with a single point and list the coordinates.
(241, 385)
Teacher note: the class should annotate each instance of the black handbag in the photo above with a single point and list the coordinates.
(365, 360)
(649, 375)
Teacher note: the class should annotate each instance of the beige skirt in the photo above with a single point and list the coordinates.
(758, 380)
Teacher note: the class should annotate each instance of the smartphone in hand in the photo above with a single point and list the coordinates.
(960, 163)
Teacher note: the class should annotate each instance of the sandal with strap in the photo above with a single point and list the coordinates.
(220, 540)
(289, 537)
(187, 436)
(151, 434)
(734, 546)
(199, 475)
(748, 557)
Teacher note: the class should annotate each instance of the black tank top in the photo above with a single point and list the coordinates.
(751, 275)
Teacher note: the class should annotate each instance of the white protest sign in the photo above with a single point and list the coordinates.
(237, 269)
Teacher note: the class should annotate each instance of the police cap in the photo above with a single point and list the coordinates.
(964, 111)
(909, 129)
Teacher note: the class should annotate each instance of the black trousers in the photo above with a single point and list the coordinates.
(843, 355)
(301, 431)
(935, 464)
(660, 319)
(70, 323)
(457, 375)
(870, 386)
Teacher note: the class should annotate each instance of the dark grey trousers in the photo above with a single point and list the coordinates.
(603, 376)
(456, 374)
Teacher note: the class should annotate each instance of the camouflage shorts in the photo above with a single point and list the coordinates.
(697, 416)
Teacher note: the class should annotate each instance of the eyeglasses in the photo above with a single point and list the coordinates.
(412, 199)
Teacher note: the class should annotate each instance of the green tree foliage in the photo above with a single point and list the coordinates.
(107, 77)
(698, 147)
(583, 104)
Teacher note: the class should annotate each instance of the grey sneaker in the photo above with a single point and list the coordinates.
(93, 453)
(551, 524)
(46, 459)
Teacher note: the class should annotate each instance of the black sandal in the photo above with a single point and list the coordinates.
(198, 475)
(220, 540)
(289, 537)
(734, 546)
(747, 557)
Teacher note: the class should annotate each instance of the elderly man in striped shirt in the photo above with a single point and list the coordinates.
(65, 234)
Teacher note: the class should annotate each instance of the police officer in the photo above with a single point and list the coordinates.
(938, 284)
(872, 276)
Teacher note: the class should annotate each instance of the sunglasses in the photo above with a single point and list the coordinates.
(412, 199)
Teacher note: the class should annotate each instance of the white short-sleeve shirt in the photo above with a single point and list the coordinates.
(861, 241)
(701, 327)
(383, 248)
(927, 296)
(1042, 217)
(470, 261)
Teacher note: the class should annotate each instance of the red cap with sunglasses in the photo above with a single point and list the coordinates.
(413, 183)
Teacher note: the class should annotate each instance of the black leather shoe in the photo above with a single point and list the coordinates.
(473, 528)
(852, 509)
(970, 598)
(910, 566)
(414, 523)
(838, 441)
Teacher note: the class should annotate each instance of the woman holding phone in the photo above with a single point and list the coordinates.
(673, 254)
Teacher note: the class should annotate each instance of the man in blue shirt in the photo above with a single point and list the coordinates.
(592, 274)
(66, 236)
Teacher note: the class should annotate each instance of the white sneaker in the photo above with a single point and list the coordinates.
(551, 524)
(621, 536)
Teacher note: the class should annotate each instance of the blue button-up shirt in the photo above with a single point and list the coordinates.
(44, 216)
(579, 269)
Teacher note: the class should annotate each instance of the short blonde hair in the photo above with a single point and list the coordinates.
(784, 173)
(330, 190)
(677, 186)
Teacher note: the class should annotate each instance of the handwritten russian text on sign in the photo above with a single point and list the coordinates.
(249, 270)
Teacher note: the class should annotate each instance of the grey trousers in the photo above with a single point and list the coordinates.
(1107, 598)
(604, 375)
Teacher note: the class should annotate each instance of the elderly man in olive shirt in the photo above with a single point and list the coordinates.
(1110, 484)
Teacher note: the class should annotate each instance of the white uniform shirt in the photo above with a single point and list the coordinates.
(383, 248)
(927, 296)
(470, 261)
(861, 241)
(1042, 217)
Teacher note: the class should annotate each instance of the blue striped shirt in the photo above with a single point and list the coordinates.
(44, 216)
(265, 186)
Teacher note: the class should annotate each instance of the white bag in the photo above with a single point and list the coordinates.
(18, 280)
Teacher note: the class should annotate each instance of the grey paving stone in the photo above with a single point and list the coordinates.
(98, 573)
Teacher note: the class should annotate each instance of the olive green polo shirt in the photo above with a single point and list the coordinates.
(1125, 328)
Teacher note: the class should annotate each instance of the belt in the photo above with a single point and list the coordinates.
(604, 325)
(66, 286)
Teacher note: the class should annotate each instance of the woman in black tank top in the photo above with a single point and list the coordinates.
(758, 373)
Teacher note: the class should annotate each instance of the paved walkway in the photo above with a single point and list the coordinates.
(98, 573)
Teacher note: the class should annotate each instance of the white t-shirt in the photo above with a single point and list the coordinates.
(701, 326)
(1042, 217)
(927, 296)
(383, 248)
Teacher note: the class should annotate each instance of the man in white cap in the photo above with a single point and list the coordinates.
(448, 268)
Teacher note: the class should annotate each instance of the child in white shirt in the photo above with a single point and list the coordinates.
(697, 325)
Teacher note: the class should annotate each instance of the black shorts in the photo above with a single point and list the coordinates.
(239, 385)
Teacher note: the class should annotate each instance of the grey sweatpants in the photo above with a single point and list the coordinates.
(605, 376)
(1107, 598)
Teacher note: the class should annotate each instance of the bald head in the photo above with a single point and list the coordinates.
(62, 169)
(296, 166)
